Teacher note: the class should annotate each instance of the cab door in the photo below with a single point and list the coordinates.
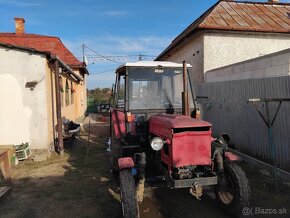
(118, 119)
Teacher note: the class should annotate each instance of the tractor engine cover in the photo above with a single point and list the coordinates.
(187, 140)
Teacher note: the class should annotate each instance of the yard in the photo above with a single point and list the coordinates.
(80, 184)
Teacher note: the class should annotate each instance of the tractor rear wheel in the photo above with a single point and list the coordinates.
(128, 194)
(233, 196)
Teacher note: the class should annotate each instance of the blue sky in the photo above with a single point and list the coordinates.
(110, 28)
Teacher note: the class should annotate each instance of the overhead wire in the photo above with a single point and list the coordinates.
(113, 58)
(101, 72)
(109, 59)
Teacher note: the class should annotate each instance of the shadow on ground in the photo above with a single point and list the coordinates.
(75, 185)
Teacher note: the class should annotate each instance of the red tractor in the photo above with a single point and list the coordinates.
(155, 134)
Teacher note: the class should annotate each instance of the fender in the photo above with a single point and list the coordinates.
(231, 156)
(125, 163)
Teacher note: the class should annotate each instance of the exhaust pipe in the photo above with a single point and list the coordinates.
(185, 101)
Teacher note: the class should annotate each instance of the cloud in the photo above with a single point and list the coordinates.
(114, 45)
(20, 3)
(121, 45)
(115, 13)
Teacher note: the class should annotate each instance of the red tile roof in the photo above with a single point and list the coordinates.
(240, 16)
(42, 43)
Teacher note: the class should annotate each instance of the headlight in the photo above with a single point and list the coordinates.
(156, 144)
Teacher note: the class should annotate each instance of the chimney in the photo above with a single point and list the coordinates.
(273, 1)
(19, 25)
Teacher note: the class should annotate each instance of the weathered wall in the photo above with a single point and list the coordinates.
(272, 65)
(23, 114)
(221, 49)
(76, 109)
(191, 51)
(228, 110)
(72, 111)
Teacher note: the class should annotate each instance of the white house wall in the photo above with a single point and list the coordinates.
(23, 112)
(221, 49)
(191, 51)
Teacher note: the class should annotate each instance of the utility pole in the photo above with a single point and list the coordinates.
(58, 108)
(83, 48)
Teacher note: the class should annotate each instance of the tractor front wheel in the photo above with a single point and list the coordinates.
(128, 194)
(234, 194)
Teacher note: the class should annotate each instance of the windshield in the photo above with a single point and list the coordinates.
(155, 88)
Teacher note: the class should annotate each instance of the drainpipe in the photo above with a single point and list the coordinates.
(52, 105)
(185, 101)
(58, 108)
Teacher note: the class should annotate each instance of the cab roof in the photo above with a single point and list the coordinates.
(152, 64)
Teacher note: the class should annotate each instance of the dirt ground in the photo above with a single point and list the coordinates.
(80, 184)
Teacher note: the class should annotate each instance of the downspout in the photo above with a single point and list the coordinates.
(52, 111)
(58, 108)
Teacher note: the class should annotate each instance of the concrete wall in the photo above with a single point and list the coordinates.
(221, 49)
(272, 65)
(23, 114)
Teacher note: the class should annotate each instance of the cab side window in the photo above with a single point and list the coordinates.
(120, 95)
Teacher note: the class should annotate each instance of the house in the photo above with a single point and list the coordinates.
(231, 32)
(41, 84)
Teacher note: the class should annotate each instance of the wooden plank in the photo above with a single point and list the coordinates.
(4, 190)
(4, 166)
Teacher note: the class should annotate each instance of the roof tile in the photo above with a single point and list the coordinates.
(42, 43)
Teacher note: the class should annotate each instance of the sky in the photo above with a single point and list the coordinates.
(113, 31)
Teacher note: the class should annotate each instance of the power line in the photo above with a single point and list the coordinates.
(116, 56)
(101, 72)
(113, 58)
(109, 59)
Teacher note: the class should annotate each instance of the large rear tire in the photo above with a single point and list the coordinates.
(235, 195)
(128, 194)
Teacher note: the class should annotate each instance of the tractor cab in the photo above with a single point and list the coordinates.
(146, 88)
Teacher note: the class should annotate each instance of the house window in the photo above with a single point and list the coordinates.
(66, 93)
(72, 91)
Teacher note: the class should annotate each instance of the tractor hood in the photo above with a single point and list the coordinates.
(173, 121)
